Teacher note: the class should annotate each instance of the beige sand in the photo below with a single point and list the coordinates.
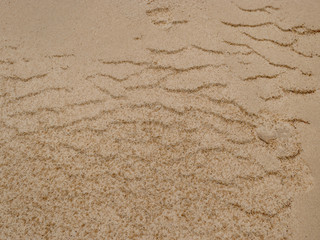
(159, 119)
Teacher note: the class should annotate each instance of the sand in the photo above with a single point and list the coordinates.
(159, 119)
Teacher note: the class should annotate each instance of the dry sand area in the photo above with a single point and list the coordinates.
(159, 119)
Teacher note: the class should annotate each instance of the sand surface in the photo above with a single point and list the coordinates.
(159, 119)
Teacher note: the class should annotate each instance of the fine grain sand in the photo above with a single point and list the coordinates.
(159, 119)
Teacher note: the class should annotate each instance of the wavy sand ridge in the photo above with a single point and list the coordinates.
(165, 147)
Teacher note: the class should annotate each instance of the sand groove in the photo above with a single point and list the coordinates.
(300, 30)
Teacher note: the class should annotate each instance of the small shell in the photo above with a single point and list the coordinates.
(266, 135)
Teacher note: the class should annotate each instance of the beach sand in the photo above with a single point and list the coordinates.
(159, 119)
